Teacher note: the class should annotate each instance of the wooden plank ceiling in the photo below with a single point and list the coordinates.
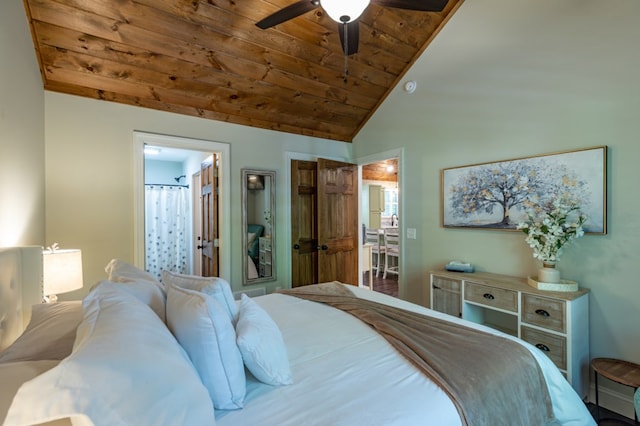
(208, 59)
(382, 171)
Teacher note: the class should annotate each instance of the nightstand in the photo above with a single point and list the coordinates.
(623, 372)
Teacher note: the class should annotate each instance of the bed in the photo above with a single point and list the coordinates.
(139, 352)
(18, 265)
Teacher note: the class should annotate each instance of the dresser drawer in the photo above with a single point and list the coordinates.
(447, 284)
(446, 295)
(555, 347)
(265, 243)
(544, 312)
(491, 296)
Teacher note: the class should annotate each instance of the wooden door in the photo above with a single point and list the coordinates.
(337, 221)
(209, 245)
(304, 229)
(196, 217)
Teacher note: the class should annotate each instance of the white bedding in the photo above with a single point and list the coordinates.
(14, 374)
(344, 374)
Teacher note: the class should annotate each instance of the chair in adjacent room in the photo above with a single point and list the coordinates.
(372, 236)
(392, 252)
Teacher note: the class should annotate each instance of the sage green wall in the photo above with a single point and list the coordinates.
(21, 132)
(520, 78)
(90, 175)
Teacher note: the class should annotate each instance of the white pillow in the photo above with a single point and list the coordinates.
(148, 293)
(13, 375)
(122, 272)
(203, 328)
(49, 335)
(126, 369)
(261, 344)
(141, 284)
(251, 237)
(213, 286)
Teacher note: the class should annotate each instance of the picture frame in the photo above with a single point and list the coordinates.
(498, 195)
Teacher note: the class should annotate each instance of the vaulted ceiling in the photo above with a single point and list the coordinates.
(208, 59)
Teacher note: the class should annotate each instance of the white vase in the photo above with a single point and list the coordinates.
(548, 273)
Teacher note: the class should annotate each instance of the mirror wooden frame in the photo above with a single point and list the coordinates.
(261, 181)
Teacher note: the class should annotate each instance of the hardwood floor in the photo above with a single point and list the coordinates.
(609, 418)
(388, 286)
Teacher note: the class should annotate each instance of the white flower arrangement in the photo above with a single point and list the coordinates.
(548, 236)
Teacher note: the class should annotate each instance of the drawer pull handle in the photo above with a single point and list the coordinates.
(542, 347)
(542, 312)
(488, 296)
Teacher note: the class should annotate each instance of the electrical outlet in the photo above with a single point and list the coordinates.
(411, 233)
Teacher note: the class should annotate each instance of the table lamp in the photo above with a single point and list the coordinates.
(62, 272)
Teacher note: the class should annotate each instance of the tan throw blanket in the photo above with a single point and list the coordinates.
(490, 379)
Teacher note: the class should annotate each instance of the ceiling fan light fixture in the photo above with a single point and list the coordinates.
(344, 11)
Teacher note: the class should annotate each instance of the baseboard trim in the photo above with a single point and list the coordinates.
(613, 401)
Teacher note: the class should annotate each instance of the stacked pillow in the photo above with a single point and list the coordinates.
(216, 287)
(203, 324)
(261, 344)
(125, 368)
(120, 346)
(201, 313)
(139, 283)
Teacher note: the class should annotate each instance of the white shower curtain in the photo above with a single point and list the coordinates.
(166, 228)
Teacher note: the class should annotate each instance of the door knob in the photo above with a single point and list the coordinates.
(296, 246)
(325, 247)
(199, 247)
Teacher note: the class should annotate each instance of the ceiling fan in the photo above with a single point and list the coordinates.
(346, 14)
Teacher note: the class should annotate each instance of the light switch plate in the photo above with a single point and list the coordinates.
(411, 233)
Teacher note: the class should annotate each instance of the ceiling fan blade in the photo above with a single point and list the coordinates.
(352, 37)
(421, 5)
(296, 9)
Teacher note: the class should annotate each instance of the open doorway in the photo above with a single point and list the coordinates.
(381, 228)
(170, 193)
(173, 202)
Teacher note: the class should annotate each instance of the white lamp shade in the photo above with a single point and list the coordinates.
(62, 271)
(351, 9)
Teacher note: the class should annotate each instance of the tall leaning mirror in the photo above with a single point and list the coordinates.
(258, 225)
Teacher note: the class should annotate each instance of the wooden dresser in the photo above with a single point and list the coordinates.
(264, 259)
(557, 323)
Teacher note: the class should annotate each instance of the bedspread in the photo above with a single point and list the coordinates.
(485, 375)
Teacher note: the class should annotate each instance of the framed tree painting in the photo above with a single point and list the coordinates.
(499, 195)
